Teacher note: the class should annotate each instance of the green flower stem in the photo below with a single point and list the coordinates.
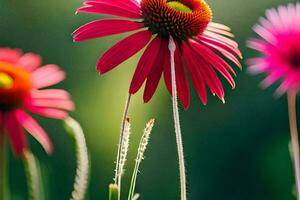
(294, 138)
(33, 176)
(82, 170)
(118, 174)
(172, 48)
(133, 180)
(140, 156)
(3, 175)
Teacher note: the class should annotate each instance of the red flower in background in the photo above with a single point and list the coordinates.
(200, 44)
(21, 81)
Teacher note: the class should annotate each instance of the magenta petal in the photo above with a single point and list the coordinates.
(111, 8)
(47, 112)
(101, 28)
(219, 31)
(181, 80)
(218, 63)
(15, 133)
(30, 61)
(196, 76)
(50, 94)
(1, 120)
(211, 78)
(123, 50)
(145, 65)
(272, 78)
(156, 72)
(35, 130)
(219, 26)
(131, 5)
(10, 55)
(220, 38)
(229, 52)
(53, 103)
(47, 75)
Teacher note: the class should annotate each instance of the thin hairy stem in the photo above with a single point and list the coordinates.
(82, 170)
(140, 157)
(33, 176)
(172, 48)
(294, 138)
(3, 174)
(118, 174)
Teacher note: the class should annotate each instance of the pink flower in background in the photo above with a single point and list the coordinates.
(280, 47)
(200, 44)
(21, 81)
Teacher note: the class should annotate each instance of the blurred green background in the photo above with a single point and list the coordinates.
(236, 151)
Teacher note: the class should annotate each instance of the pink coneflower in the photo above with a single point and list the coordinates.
(179, 36)
(21, 81)
(200, 44)
(280, 46)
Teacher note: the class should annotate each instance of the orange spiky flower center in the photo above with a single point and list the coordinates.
(15, 85)
(181, 19)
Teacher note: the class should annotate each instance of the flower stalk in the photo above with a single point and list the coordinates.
(172, 48)
(33, 176)
(118, 173)
(294, 138)
(82, 171)
(139, 158)
(124, 147)
(3, 175)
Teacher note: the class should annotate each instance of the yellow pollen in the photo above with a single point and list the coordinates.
(179, 6)
(6, 81)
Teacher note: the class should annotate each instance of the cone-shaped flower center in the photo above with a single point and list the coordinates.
(6, 81)
(180, 18)
(179, 6)
(295, 59)
(15, 85)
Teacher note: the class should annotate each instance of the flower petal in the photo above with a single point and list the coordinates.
(219, 26)
(220, 38)
(15, 133)
(115, 8)
(47, 75)
(123, 50)
(196, 76)
(211, 78)
(145, 65)
(50, 94)
(48, 112)
(1, 120)
(219, 31)
(53, 103)
(10, 55)
(30, 61)
(218, 63)
(227, 51)
(156, 72)
(102, 28)
(35, 130)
